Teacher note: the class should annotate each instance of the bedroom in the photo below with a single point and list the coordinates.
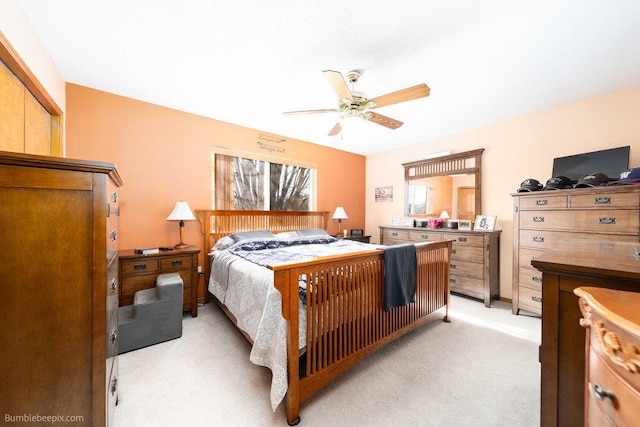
(148, 145)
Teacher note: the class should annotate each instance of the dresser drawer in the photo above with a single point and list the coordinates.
(605, 201)
(526, 255)
(426, 235)
(530, 299)
(622, 408)
(466, 285)
(613, 221)
(530, 277)
(395, 235)
(464, 239)
(546, 239)
(175, 263)
(112, 286)
(465, 268)
(614, 335)
(544, 201)
(141, 266)
(467, 253)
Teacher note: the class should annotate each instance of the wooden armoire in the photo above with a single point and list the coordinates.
(58, 288)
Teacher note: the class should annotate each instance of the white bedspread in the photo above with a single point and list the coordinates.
(247, 290)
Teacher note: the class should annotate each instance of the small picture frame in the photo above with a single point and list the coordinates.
(485, 223)
(407, 221)
(464, 224)
(395, 220)
(357, 232)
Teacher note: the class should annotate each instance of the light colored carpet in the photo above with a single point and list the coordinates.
(481, 369)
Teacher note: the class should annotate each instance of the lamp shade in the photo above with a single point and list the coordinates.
(181, 212)
(444, 215)
(339, 213)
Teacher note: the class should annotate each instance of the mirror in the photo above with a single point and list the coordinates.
(444, 186)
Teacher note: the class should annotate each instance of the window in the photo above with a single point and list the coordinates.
(251, 184)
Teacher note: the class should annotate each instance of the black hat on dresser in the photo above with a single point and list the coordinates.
(596, 179)
(530, 184)
(558, 183)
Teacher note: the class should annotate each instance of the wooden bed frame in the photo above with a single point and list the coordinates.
(346, 321)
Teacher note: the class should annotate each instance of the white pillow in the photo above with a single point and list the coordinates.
(223, 243)
(286, 235)
(312, 232)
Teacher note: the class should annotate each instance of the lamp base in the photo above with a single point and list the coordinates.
(181, 245)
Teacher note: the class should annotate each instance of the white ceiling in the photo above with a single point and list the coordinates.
(247, 61)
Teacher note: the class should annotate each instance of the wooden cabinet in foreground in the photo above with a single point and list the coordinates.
(612, 377)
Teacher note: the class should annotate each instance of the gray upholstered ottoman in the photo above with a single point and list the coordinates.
(154, 317)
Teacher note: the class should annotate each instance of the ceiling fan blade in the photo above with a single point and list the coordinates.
(408, 94)
(335, 130)
(384, 120)
(292, 113)
(338, 83)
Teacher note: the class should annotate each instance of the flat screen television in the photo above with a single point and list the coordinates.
(610, 162)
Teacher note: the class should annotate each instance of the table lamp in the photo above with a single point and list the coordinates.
(181, 212)
(339, 214)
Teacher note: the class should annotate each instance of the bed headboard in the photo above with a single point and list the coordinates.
(219, 223)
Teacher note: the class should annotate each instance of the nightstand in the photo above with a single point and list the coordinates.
(363, 239)
(139, 271)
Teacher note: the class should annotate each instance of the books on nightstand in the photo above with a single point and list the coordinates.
(147, 251)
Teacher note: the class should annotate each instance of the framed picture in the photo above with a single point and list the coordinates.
(464, 224)
(407, 221)
(384, 194)
(395, 220)
(485, 223)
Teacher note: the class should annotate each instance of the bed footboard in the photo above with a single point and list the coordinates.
(346, 320)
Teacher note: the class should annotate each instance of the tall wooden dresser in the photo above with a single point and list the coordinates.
(59, 288)
(474, 269)
(612, 378)
(543, 220)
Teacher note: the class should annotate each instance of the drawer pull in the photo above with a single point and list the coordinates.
(462, 239)
(425, 236)
(114, 197)
(538, 239)
(118, 211)
(536, 298)
(453, 266)
(602, 393)
(602, 200)
(394, 234)
(541, 202)
(114, 386)
(536, 279)
(176, 262)
(114, 335)
(114, 235)
(452, 280)
(114, 284)
(538, 219)
(139, 267)
(453, 251)
(606, 220)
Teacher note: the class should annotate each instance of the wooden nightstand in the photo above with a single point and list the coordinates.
(139, 271)
(363, 239)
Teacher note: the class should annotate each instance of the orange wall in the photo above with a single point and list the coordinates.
(164, 155)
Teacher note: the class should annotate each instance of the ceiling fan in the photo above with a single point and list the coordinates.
(356, 104)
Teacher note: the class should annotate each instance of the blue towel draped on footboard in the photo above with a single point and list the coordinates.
(400, 265)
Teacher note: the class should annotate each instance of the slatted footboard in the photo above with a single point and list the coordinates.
(346, 320)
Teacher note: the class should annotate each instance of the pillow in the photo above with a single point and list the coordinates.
(312, 232)
(286, 235)
(255, 234)
(223, 243)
